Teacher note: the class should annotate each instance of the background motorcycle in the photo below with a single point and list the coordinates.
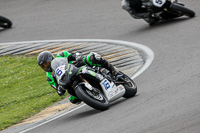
(161, 10)
(94, 86)
(4, 22)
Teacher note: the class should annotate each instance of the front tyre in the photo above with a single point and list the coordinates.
(4, 22)
(94, 99)
(182, 10)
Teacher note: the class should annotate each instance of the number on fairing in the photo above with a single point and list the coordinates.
(60, 71)
(159, 3)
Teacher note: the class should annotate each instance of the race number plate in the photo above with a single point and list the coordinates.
(111, 91)
(60, 71)
(107, 88)
(106, 84)
(159, 3)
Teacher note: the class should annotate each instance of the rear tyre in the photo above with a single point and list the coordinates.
(182, 10)
(94, 99)
(130, 87)
(4, 22)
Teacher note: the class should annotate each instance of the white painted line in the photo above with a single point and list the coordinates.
(146, 53)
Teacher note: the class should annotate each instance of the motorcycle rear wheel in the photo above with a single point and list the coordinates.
(86, 96)
(4, 22)
(182, 10)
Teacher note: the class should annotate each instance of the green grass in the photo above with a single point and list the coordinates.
(24, 90)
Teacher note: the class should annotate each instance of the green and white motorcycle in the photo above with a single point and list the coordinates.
(94, 86)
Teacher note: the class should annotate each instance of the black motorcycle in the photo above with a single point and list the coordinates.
(94, 86)
(4, 22)
(160, 10)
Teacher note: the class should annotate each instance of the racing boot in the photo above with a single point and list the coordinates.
(112, 69)
(74, 100)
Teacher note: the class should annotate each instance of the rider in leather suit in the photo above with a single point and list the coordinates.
(93, 59)
(137, 11)
(134, 7)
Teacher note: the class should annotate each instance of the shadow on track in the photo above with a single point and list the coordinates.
(121, 101)
(81, 115)
(4, 29)
(91, 112)
(144, 29)
(162, 24)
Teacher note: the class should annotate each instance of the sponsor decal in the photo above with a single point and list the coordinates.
(116, 91)
(120, 87)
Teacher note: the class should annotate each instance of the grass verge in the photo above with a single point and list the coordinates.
(24, 90)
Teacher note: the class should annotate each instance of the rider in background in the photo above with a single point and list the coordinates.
(134, 7)
(138, 11)
(93, 59)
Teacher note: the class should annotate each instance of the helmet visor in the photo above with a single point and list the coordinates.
(45, 66)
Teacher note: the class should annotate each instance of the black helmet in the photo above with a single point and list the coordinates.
(44, 60)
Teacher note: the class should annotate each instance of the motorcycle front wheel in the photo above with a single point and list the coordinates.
(182, 10)
(94, 99)
(4, 22)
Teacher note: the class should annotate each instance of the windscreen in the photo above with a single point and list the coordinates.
(58, 62)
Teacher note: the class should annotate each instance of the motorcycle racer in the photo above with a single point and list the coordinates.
(137, 11)
(92, 59)
(134, 7)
